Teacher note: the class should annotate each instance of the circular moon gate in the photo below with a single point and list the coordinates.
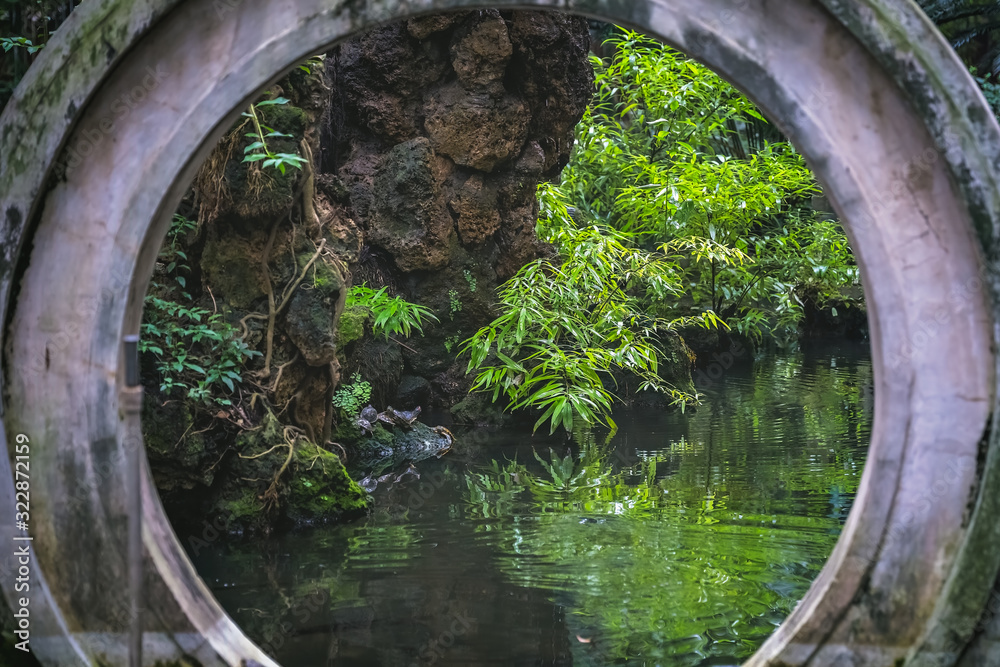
(107, 130)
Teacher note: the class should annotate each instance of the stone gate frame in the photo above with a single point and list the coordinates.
(105, 133)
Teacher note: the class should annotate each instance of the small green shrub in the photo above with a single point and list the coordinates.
(352, 398)
(990, 88)
(454, 304)
(566, 323)
(196, 353)
(313, 65)
(9, 43)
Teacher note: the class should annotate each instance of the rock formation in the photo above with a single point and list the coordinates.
(427, 140)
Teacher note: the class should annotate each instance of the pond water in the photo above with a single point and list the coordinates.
(684, 540)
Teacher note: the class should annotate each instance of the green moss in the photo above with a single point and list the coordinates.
(285, 118)
(230, 266)
(162, 428)
(321, 489)
(346, 432)
(315, 488)
(179, 454)
(268, 434)
(322, 275)
(352, 324)
(240, 501)
(382, 436)
(245, 508)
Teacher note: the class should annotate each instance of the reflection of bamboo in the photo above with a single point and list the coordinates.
(708, 459)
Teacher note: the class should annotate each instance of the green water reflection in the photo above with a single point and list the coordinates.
(685, 540)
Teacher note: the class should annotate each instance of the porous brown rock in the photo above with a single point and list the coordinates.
(441, 130)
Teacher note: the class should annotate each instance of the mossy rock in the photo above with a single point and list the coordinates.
(269, 192)
(231, 266)
(346, 432)
(319, 488)
(311, 318)
(315, 488)
(352, 325)
(284, 118)
(241, 502)
(179, 458)
(386, 449)
(244, 509)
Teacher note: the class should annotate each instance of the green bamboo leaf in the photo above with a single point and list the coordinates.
(277, 100)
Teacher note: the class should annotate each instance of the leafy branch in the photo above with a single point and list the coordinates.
(258, 150)
(195, 352)
(8, 43)
(392, 315)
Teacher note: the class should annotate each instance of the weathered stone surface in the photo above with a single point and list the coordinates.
(424, 27)
(227, 264)
(413, 391)
(406, 216)
(180, 461)
(311, 319)
(380, 76)
(477, 210)
(480, 51)
(476, 130)
(464, 198)
(548, 47)
(379, 361)
(532, 159)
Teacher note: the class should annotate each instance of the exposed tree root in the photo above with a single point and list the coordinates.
(257, 456)
(281, 369)
(291, 435)
(343, 452)
(264, 260)
(308, 187)
(286, 294)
